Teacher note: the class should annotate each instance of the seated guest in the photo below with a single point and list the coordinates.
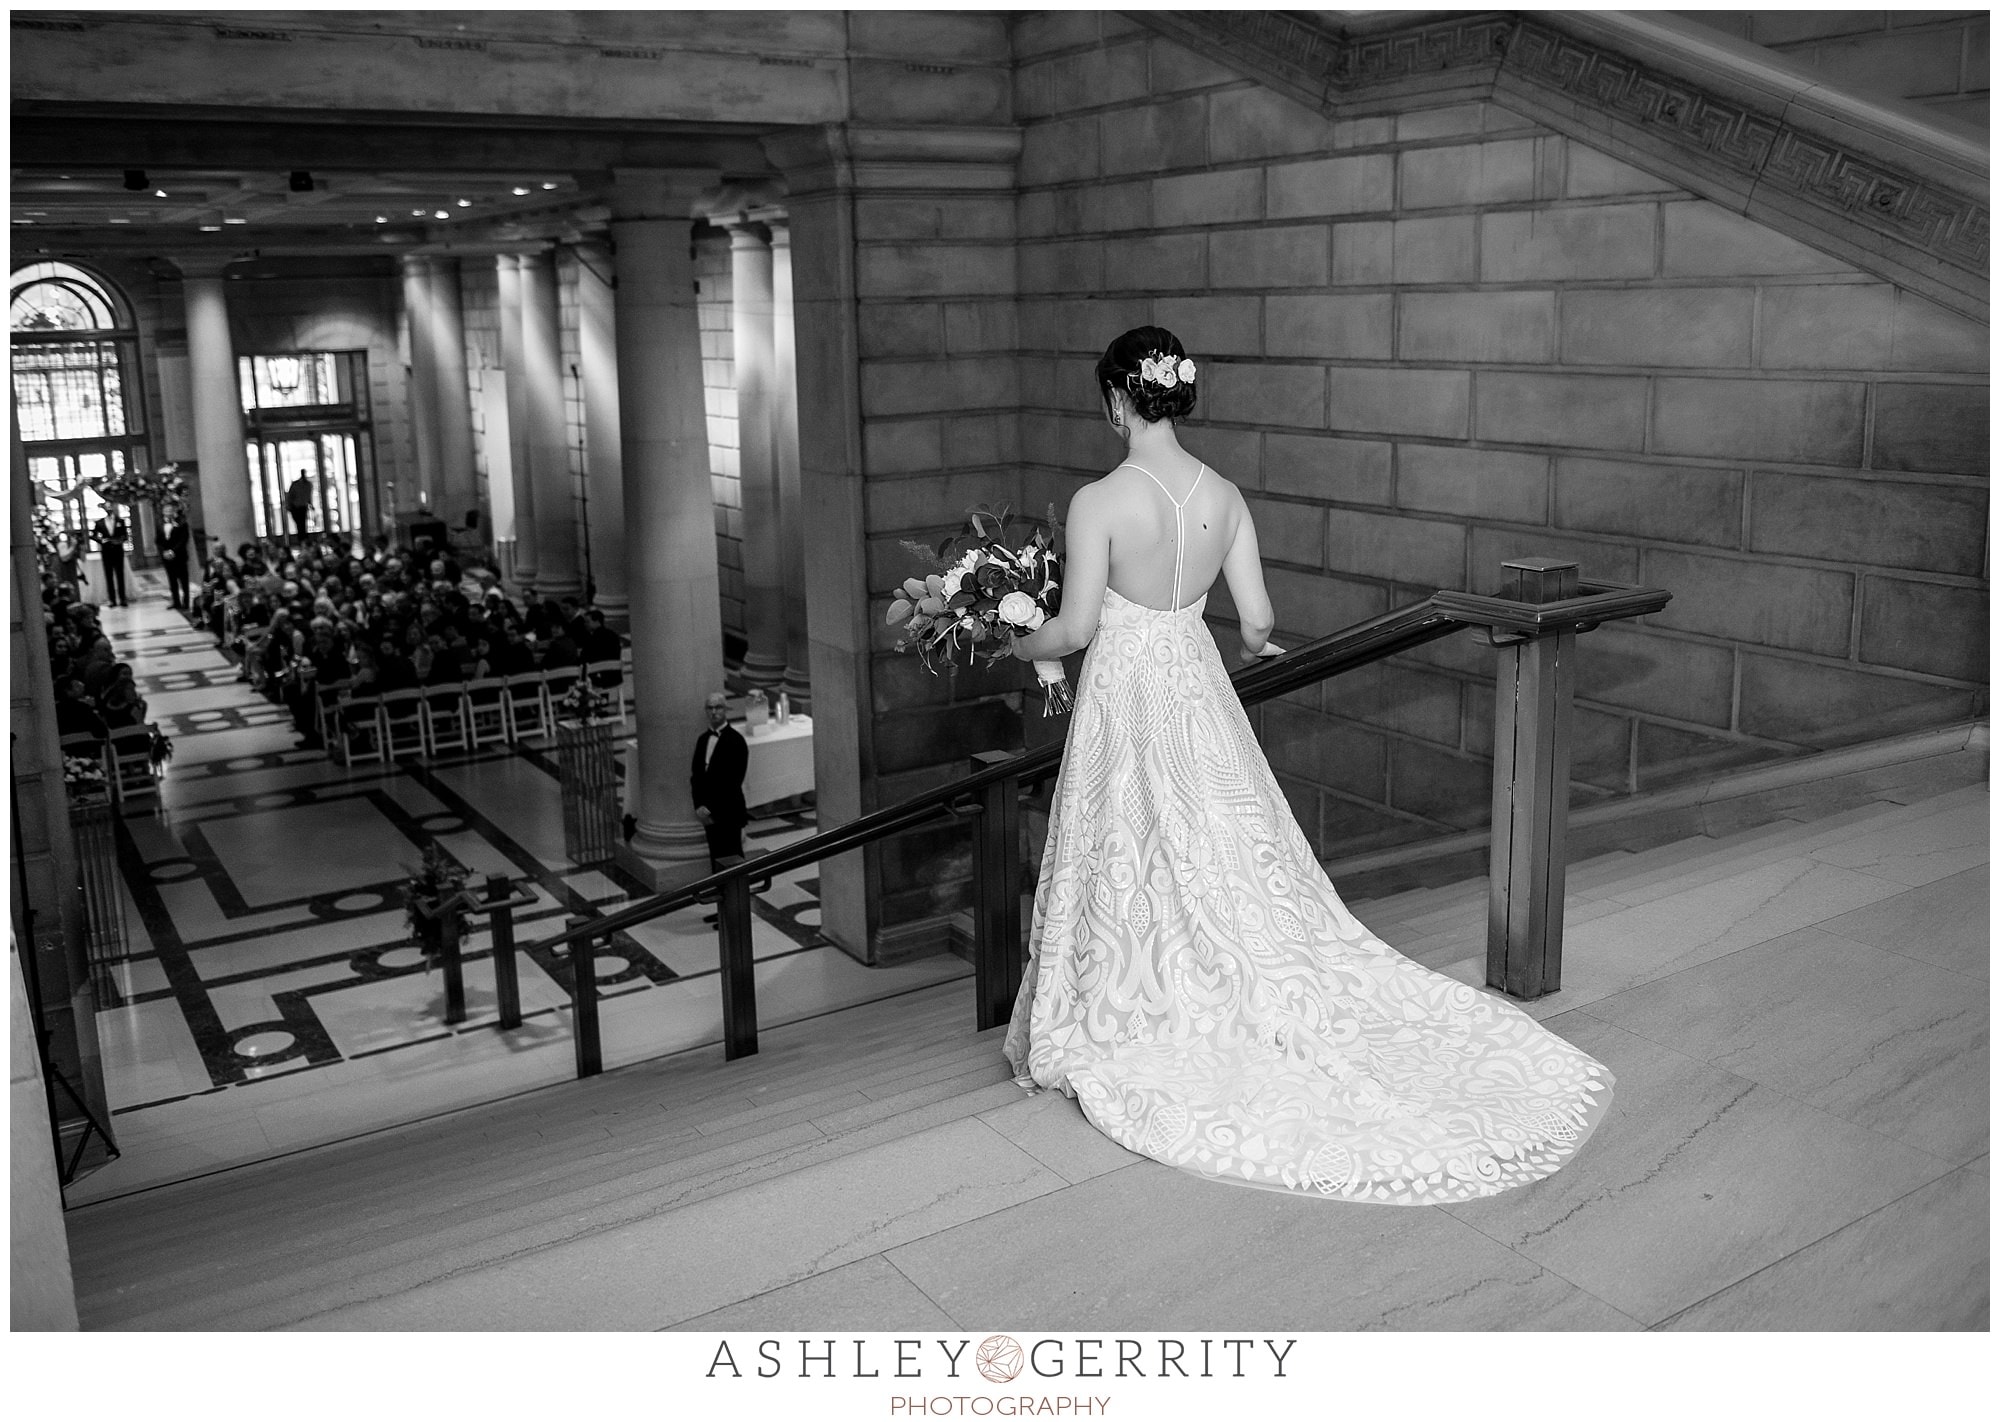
(75, 716)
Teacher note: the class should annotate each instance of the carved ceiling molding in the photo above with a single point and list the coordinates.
(1911, 227)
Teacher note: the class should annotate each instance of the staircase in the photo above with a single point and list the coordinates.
(877, 1168)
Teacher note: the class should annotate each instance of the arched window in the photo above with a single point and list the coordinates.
(75, 391)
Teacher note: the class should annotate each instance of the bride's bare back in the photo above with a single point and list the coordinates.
(1144, 532)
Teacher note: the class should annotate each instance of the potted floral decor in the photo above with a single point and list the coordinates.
(434, 902)
(587, 765)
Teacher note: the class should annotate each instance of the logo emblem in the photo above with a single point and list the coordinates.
(999, 1359)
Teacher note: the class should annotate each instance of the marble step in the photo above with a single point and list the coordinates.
(272, 1278)
(655, 1100)
(1795, 843)
(237, 1273)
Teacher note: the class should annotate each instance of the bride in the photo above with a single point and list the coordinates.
(1193, 978)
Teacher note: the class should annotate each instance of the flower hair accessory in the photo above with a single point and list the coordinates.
(1166, 373)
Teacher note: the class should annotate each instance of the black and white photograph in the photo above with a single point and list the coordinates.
(999, 712)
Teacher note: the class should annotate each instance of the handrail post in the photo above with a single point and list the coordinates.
(506, 970)
(1531, 746)
(997, 941)
(583, 992)
(453, 963)
(739, 969)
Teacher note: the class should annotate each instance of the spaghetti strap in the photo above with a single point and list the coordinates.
(1180, 522)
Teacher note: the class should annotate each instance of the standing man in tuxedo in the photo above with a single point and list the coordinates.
(110, 534)
(174, 557)
(721, 759)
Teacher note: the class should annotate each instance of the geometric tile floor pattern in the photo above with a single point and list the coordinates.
(269, 999)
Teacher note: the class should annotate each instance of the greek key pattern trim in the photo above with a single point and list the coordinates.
(1306, 57)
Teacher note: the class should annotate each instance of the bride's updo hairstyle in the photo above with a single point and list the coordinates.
(1148, 364)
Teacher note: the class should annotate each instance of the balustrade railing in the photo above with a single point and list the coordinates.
(1534, 626)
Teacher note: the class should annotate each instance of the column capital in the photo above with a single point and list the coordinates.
(657, 194)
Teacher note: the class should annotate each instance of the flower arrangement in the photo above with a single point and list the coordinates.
(582, 702)
(1167, 373)
(432, 896)
(84, 775)
(984, 592)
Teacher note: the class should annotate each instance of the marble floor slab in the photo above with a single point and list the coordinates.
(1695, 1179)
(1149, 1247)
(1920, 852)
(661, 1271)
(1887, 1042)
(1053, 1129)
(866, 1296)
(1920, 1263)
(1696, 925)
(1946, 922)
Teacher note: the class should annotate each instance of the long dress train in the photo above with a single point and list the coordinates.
(1195, 981)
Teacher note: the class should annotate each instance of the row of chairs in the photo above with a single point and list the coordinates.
(127, 757)
(426, 720)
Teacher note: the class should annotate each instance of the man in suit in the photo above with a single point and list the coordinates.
(110, 534)
(174, 557)
(299, 502)
(721, 759)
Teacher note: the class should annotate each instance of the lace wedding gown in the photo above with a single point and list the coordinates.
(1195, 981)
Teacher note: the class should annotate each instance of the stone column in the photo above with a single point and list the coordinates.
(785, 453)
(218, 407)
(457, 491)
(508, 266)
(763, 570)
(422, 381)
(603, 462)
(556, 574)
(669, 515)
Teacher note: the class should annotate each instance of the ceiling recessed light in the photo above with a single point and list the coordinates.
(465, 202)
(380, 218)
(441, 214)
(24, 222)
(126, 220)
(548, 187)
(235, 221)
(520, 192)
(416, 212)
(207, 228)
(159, 192)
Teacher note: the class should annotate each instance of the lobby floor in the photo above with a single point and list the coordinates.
(269, 1000)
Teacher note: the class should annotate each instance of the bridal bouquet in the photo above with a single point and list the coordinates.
(984, 592)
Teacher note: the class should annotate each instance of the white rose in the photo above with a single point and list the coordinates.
(952, 581)
(1019, 609)
(1037, 620)
(1186, 371)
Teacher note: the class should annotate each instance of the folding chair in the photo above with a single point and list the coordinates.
(132, 763)
(527, 708)
(444, 717)
(401, 723)
(556, 682)
(327, 699)
(485, 710)
(357, 730)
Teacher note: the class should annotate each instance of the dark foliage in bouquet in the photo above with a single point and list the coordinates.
(999, 577)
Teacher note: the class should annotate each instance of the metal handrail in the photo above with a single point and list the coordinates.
(1439, 615)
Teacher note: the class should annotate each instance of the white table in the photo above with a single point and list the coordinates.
(781, 761)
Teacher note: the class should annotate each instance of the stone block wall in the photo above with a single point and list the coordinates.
(1937, 58)
(1437, 338)
(716, 312)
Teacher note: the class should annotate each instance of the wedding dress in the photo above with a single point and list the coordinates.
(1196, 983)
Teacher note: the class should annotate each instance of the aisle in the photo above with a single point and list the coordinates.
(269, 1000)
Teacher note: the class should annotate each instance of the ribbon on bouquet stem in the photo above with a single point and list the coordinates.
(1055, 687)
